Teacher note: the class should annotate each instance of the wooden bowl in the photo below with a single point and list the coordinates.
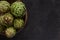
(25, 17)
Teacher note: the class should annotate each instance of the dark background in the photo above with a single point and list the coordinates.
(43, 21)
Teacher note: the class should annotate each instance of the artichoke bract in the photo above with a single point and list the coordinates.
(10, 32)
(1, 28)
(18, 23)
(18, 9)
(4, 6)
(1, 20)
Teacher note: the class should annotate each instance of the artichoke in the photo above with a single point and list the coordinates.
(10, 32)
(18, 9)
(4, 6)
(18, 23)
(6, 19)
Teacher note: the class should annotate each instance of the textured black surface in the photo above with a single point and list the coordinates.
(43, 22)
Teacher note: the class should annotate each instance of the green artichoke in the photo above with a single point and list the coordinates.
(10, 32)
(4, 6)
(18, 23)
(6, 19)
(18, 9)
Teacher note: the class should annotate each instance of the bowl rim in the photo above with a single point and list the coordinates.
(25, 21)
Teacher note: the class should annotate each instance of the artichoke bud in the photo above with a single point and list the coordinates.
(10, 32)
(18, 23)
(18, 9)
(4, 6)
(8, 18)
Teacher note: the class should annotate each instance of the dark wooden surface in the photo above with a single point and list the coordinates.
(43, 22)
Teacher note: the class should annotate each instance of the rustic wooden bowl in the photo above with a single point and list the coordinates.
(25, 17)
